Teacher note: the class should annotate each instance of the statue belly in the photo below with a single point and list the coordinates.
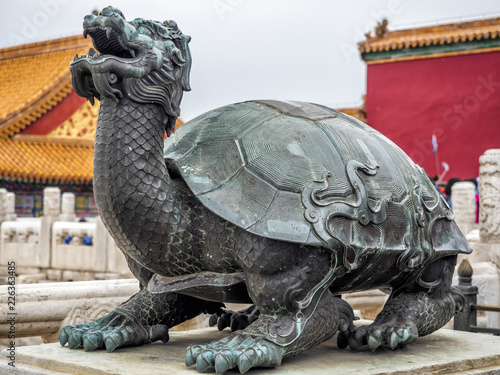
(210, 286)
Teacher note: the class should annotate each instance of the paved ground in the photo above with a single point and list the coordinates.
(444, 352)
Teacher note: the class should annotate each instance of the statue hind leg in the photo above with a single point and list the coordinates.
(411, 312)
(235, 320)
(275, 283)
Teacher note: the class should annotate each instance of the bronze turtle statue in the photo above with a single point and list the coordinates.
(285, 205)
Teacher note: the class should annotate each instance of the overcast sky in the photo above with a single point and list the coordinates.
(255, 49)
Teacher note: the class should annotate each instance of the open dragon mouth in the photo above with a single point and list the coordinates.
(108, 41)
(102, 72)
(143, 61)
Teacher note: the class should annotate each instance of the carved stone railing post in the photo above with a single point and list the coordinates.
(51, 201)
(465, 320)
(68, 207)
(3, 194)
(463, 203)
(489, 187)
(486, 255)
(51, 212)
(10, 207)
(488, 247)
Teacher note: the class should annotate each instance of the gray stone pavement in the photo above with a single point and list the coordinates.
(443, 352)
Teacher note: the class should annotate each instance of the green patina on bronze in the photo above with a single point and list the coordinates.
(284, 205)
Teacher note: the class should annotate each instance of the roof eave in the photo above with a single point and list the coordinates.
(435, 51)
(50, 96)
(448, 39)
(21, 119)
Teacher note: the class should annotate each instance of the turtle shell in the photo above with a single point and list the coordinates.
(308, 174)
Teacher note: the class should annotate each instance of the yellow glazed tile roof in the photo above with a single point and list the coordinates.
(64, 155)
(385, 40)
(45, 161)
(33, 79)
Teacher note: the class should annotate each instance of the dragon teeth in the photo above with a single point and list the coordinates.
(132, 52)
(92, 52)
(108, 32)
(76, 57)
(85, 32)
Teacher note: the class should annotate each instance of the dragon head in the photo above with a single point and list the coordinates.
(148, 61)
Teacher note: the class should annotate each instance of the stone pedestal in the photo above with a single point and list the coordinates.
(463, 201)
(443, 352)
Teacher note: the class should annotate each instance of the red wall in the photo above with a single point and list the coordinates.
(456, 98)
(55, 116)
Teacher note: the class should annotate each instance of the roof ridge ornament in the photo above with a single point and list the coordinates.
(380, 30)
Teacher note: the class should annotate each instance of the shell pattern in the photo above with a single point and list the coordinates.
(305, 173)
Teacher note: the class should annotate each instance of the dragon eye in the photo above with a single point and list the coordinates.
(145, 31)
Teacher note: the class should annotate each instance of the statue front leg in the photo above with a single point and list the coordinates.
(272, 338)
(284, 327)
(144, 318)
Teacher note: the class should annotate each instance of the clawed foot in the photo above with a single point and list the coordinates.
(236, 320)
(393, 333)
(234, 351)
(346, 316)
(110, 332)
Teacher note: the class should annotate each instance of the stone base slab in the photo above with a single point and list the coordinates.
(443, 352)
